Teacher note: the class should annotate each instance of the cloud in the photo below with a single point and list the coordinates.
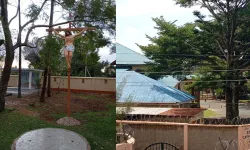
(133, 8)
(129, 36)
(140, 7)
(105, 54)
(134, 19)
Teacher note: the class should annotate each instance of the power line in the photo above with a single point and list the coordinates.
(195, 55)
(154, 72)
(191, 81)
(152, 61)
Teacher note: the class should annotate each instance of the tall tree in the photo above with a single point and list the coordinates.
(10, 46)
(50, 33)
(50, 59)
(221, 43)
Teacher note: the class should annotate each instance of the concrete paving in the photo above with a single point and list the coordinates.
(220, 108)
(50, 139)
(24, 91)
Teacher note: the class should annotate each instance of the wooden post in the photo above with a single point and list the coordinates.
(69, 69)
(68, 103)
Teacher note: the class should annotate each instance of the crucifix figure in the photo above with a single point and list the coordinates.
(69, 48)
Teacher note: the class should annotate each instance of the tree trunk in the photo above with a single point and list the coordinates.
(20, 56)
(192, 91)
(229, 108)
(9, 53)
(236, 100)
(50, 33)
(49, 83)
(42, 97)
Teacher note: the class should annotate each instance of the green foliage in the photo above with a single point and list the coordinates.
(171, 40)
(218, 43)
(85, 49)
(32, 11)
(98, 13)
(50, 55)
(69, 3)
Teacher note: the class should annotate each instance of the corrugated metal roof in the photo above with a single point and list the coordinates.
(184, 112)
(138, 88)
(144, 110)
(124, 55)
(173, 112)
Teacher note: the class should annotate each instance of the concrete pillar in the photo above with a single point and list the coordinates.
(186, 137)
(30, 79)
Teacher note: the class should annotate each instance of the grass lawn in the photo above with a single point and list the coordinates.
(97, 122)
(209, 113)
(244, 101)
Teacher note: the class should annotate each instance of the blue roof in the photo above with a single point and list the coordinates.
(135, 87)
(124, 55)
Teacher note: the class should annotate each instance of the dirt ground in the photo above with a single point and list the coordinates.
(57, 104)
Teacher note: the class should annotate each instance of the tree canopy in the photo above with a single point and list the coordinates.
(215, 48)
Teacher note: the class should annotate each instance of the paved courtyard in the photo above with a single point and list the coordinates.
(220, 108)
(24, 91)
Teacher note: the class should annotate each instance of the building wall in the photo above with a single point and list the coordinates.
(146, 134)
(208, 137)
(77, 83)
(205, 137)
(13, 82)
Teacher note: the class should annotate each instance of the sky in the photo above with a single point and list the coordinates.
(134, 19)
(134, 22)
(103, 52)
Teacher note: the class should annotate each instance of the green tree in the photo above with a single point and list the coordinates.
(220, 43)
(50, 57)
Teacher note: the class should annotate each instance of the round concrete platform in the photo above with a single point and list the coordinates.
(50, 139)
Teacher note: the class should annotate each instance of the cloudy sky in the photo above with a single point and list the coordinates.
(104, 52)
(134, 19)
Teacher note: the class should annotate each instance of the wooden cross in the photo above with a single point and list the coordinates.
(72, 29)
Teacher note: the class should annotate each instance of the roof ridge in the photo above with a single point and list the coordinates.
(134, 51)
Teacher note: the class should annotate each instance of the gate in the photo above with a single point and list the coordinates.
(161, 146)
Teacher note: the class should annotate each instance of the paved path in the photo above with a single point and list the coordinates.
(14, 91)
(220, 108)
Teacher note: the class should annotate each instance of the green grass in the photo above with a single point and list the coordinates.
(97, 127)
(209, 113)
(244, 101)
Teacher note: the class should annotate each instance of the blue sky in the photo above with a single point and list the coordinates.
(134, 19)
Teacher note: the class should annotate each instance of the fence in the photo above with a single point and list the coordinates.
(77, 84)
(191, 136)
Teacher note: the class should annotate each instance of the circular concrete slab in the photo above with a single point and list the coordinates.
(50, 139)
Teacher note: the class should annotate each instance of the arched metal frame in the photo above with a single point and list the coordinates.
(161, 146)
